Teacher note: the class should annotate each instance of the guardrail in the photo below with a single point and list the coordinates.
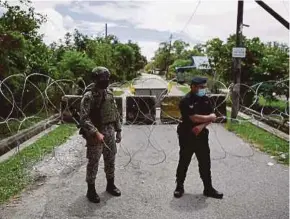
(280, 125)
(9, 143)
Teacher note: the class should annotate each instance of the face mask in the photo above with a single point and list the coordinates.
(201, 92)
(103, 84)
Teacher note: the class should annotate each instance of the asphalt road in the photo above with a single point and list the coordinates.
(150, 81)
(145, 173)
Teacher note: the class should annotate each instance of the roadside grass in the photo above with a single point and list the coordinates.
(118, 92)
(14, 172)
(260, 138)
(280, 104)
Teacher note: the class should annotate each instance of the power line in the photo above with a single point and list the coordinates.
(192, 15)
(278, 17)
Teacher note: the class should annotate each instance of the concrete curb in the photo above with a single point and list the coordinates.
(9, 143)
(263, 126)
(26, 144)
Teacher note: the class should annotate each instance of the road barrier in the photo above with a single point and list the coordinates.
(119, 102)
(170, 113)
(140, 109)
(159, 93)
(70, 107)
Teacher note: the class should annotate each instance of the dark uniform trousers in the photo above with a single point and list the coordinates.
(190, 144)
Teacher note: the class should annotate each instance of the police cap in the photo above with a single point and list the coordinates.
(198, 81)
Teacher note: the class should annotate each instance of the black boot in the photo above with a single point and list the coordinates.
(179, 191)
(211, 192)
(92, 194)
(112, 189)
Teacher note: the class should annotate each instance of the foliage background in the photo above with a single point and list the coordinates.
(23, 51)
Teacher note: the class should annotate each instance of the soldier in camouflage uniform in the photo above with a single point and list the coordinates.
(99, 120)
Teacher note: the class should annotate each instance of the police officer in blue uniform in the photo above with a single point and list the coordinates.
(196, 112)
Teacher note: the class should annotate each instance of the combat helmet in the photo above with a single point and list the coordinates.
(100, 73)
(101, 77)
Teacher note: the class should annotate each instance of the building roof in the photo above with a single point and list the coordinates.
(201, 62)
(198, 62)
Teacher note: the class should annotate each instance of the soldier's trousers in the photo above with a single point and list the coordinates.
(189, 144)
(96, 149)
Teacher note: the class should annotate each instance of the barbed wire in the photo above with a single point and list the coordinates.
(50, 91)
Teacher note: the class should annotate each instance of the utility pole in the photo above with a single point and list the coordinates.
(106, 30)
(237, 63)
(168, 56)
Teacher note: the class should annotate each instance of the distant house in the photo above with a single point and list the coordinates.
(201, 62)
(198, 62)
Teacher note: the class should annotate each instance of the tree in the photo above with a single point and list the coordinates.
(179, 48)
(263, 62)
(76, 64)
(124, 59)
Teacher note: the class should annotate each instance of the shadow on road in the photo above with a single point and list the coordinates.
(189, 202)
(83, 208)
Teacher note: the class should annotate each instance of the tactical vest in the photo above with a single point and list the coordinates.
(104, 110)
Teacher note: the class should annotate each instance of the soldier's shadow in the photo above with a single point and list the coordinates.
(82, 207)
(189, 202)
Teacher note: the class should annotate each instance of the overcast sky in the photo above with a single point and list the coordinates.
(151, 22)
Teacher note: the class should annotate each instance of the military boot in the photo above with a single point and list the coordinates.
(211, 192)
(92, 194)
(179, 191)
(111, 188)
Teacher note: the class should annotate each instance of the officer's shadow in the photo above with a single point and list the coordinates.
(189, 202)
(82, 207)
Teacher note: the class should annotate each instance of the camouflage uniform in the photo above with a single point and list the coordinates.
(110, 122)
(99, 114)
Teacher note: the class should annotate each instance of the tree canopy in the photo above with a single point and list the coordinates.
(23, 51)
(266, 62)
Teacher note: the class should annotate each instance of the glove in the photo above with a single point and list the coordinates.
(118, 137)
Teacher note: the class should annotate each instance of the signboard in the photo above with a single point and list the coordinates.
(239, 52)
